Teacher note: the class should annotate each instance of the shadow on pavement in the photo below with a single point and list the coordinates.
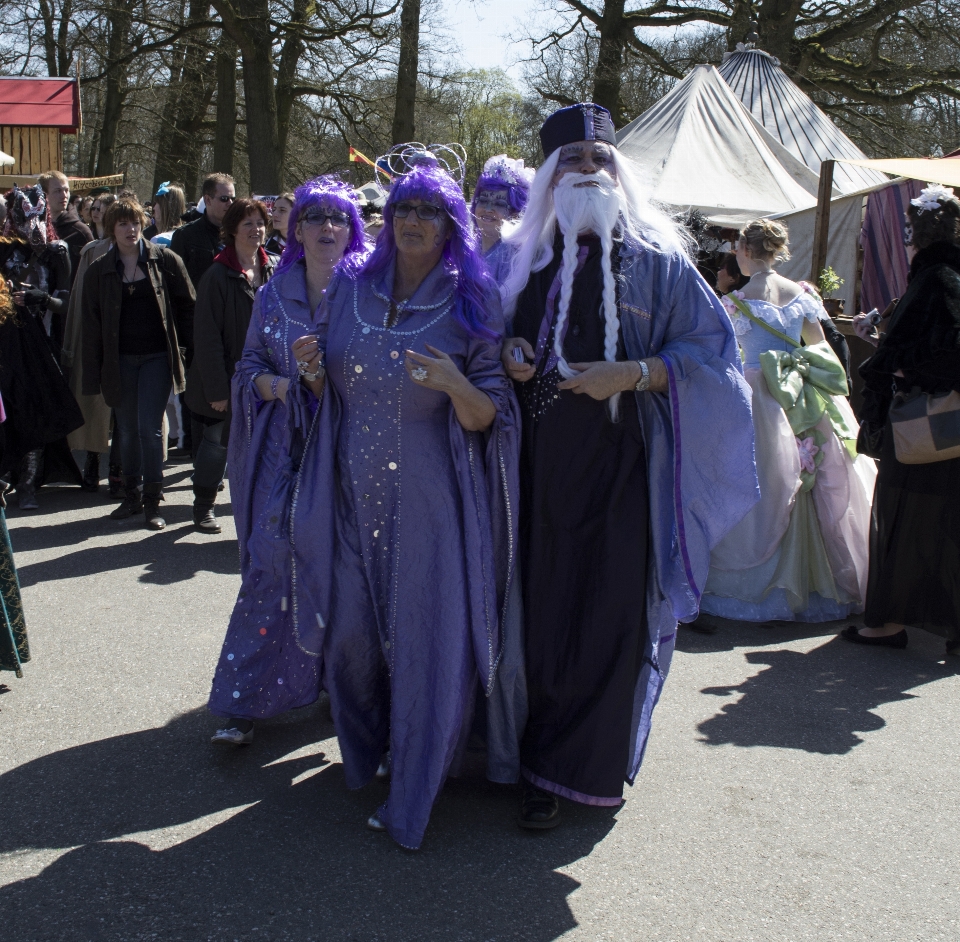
(820, 700)
(297, 864)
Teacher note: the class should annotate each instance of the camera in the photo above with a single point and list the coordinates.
(874, 317)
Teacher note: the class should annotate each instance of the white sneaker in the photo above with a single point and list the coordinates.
(383, 770)
(233, 737)
(375, 824)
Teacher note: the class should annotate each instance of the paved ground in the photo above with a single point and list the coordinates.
(796, 787)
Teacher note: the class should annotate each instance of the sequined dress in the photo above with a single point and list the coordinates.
(263, 669)
(425, 532)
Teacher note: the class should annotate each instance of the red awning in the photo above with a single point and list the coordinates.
(40, 102)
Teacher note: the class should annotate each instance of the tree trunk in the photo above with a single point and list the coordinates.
(286, 76)
(608, 75)
(404, 113)
(119, 26)
(224, 140)
(778, 21)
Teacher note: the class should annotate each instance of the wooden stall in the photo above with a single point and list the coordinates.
(35, 113)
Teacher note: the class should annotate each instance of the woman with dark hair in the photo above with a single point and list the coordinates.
(225, 298)
(264, 669)
(279, 224)
(500, 195)
(41, 410)
(915, 538)
(729, 276)
(137, 316)
(411, 499)
(97, 209)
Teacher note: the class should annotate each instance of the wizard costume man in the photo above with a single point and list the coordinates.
(636, 458)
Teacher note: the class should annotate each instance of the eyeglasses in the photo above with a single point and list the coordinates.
(500, 206)
(425, 211)
(227, 199)
(337, 220)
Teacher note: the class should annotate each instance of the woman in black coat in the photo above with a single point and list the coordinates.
(224, 304)
(137, 324)
(915, 541)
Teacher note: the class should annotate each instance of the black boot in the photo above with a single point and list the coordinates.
(203, 516)
(132, 500)
(152, 495)
(91, 473)
(27, 480)
(116, 482)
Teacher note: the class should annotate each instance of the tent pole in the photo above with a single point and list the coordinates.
(821, 227)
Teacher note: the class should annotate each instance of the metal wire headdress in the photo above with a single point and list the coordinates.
(403, 158)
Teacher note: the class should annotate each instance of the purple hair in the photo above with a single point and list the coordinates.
(502, 173)
(326, 192)
(461, 254)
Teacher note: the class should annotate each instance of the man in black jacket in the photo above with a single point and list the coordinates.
(197, 243)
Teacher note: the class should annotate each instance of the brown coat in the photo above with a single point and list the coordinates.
(102, 289)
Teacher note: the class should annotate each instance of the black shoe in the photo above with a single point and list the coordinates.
(701, 626)
(204, 518)
(899, 640)
(152, 495)
(91, 473)
(539, 810)
(115, 480)
(132, 501)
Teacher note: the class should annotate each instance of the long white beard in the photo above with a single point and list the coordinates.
(580, 210)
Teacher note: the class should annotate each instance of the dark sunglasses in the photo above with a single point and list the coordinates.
(227, 199)
(424, 211)
(337, 220)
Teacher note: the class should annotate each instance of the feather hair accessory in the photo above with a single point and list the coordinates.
(931, 197)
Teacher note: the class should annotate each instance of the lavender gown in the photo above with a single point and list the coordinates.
(416, 519)
(264, 669)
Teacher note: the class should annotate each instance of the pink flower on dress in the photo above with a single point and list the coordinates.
(730, 307)
(808, 449)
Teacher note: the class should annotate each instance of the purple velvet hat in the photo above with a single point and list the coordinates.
(583, 122)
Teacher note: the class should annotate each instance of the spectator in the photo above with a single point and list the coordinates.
(915, 538)
(197, 243)
(68, 225)
(170, 205)
(97, 208)
(137, 311)
(729, 276)
(224, 302)
(279, 223)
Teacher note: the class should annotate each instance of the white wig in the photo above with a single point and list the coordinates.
(640, 222)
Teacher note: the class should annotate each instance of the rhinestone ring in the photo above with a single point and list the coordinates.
(419, 374)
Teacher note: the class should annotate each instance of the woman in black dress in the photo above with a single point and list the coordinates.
(915, 539)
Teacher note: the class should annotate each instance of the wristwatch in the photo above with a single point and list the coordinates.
(643, 384)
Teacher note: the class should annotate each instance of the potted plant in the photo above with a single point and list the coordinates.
(827, 283)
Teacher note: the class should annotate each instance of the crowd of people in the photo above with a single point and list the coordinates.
(484, 463)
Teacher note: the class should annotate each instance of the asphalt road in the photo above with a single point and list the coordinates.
(796, 787)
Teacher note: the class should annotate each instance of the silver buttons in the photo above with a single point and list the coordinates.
(358, 369)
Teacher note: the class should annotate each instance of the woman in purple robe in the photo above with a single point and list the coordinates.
(412, 499)
(264, 669)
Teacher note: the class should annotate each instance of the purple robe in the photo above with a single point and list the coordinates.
(414, 518)
(264, 667)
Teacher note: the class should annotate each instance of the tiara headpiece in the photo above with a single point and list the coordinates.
(401, 159)
(508, 170)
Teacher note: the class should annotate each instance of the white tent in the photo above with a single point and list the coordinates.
(793, 119)
(698, 147)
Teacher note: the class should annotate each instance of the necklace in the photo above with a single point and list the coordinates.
(130, 282)
(765, 271)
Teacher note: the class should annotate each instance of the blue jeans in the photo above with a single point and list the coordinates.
(211, 460)
(144, 389)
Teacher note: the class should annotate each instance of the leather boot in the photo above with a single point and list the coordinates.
(27, 481)
(203, 516)
(91, 473)
(152, 495)
(132, 500)
(116, 482)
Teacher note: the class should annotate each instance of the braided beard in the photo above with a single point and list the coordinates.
(581, 210)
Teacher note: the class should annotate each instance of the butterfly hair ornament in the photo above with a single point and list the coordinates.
(401, 159)
(932, 197)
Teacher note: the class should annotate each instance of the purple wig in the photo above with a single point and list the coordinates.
(326, 192)
(502, 173)
(461, 254)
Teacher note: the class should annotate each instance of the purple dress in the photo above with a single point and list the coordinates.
(264, 667)
(417, 518)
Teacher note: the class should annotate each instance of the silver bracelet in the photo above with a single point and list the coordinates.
(274, 383)
(643, 384)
